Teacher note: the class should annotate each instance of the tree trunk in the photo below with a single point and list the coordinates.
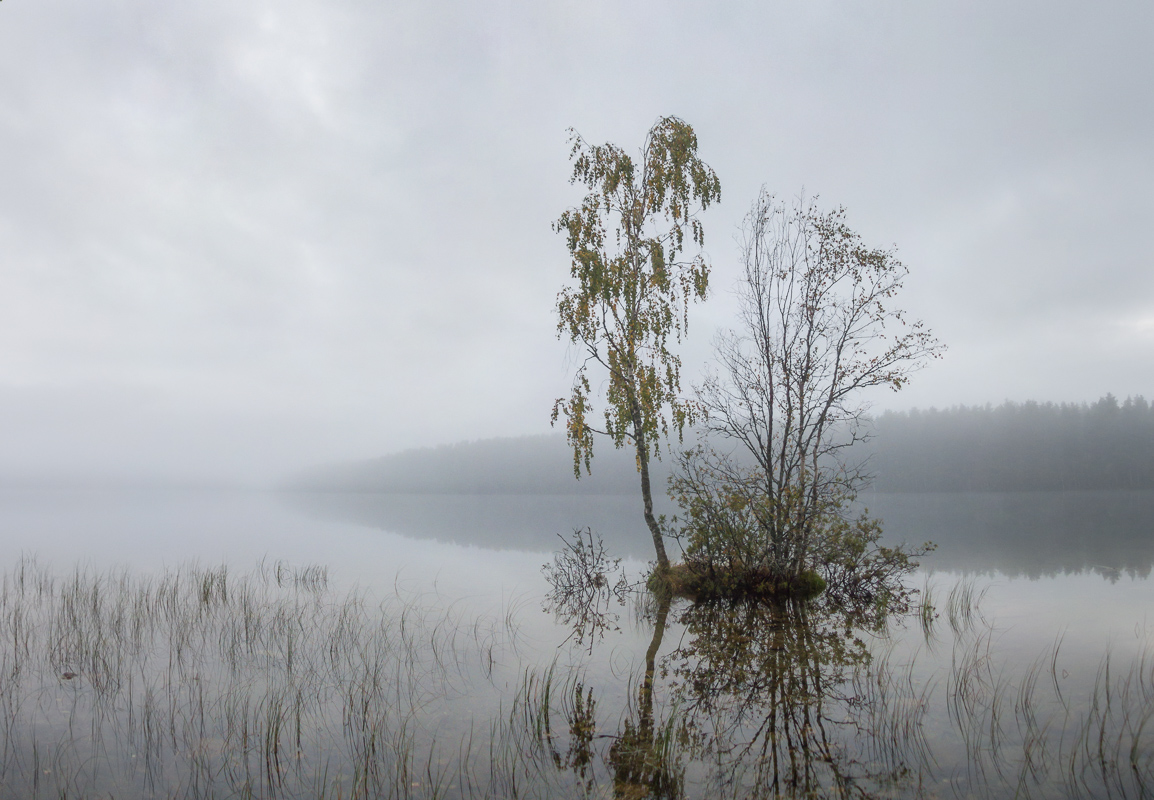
(646, 693)
(647, 495)
(640, 769)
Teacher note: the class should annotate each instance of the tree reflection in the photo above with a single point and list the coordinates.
(763, 689)
(763, 700)
(757, 698)
(585, 584)
(643, 757)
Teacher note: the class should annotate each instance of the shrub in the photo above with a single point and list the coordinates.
(741, 540)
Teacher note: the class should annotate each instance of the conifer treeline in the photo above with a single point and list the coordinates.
(1012, 447)
(1017, 447)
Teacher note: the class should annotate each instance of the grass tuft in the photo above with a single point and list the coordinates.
(683, 580)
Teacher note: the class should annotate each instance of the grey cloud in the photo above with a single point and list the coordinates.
(329, 224)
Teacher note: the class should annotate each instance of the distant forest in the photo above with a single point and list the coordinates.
(1011, 447)
(1016, 447)
(523, 465)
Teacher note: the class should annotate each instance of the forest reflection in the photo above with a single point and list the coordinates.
(1016, 533)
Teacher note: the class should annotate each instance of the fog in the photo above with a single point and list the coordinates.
(1104, 445)
(1028, 447)
(238, 240)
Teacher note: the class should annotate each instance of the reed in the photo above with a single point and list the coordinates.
(199, 682)
(203, 682)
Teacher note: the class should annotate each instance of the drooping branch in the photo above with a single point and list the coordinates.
(632, 290)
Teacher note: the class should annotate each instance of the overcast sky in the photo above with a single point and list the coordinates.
(241, 237)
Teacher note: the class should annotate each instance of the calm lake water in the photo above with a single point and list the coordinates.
(1029, 676)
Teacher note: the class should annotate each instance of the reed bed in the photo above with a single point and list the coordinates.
(202, 683)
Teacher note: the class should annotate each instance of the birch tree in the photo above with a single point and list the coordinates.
(632, 285)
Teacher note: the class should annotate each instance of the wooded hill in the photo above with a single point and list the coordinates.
(1017, 447)
(524, 465)
(1011, 447)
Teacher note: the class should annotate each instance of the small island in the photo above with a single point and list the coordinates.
(764, 497)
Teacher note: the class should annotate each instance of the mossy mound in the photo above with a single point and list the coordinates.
(684, 580)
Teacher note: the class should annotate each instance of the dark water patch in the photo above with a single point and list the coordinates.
(1032, 534)
(498, 522)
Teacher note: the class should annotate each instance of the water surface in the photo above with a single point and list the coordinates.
(992, 692)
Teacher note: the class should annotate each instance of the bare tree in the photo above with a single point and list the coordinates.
(819, 325)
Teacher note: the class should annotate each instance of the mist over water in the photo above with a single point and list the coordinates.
(1031, 534)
